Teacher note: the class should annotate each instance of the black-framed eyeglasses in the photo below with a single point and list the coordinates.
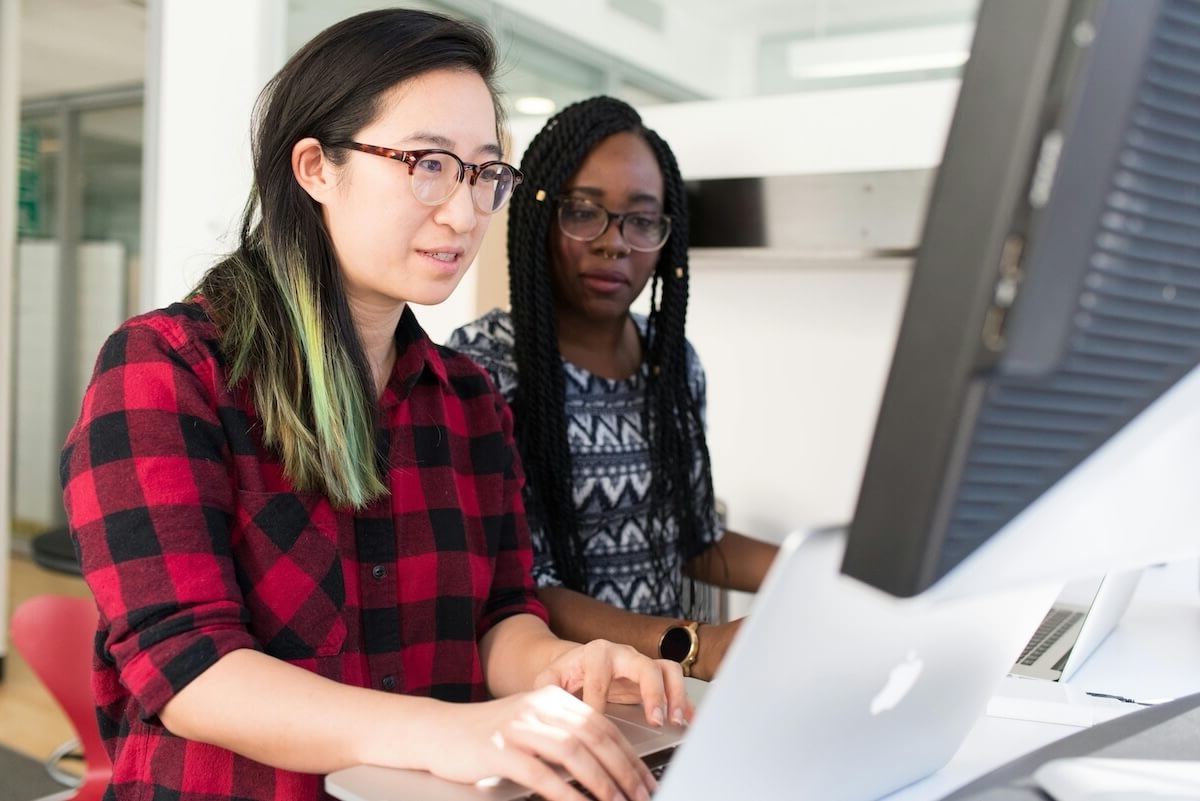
(584, 221)
(436, 175)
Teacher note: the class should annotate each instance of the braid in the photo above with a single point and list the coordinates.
(672, 410)
(671, 415)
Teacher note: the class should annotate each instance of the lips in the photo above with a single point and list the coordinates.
(606, 276)
(442, 255)
(604, 282)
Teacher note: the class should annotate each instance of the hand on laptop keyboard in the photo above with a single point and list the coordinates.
(527, 737)
(656, 762)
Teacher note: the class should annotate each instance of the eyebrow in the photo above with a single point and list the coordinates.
(640, 197)
(491, 149)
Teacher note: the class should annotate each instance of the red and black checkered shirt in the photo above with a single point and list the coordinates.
(195, 545)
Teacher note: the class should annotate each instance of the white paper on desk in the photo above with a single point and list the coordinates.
(1100, 779)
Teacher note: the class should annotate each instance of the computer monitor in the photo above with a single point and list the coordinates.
(1041, 419)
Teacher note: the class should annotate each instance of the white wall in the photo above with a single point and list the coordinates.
(796, 356)
(10, 41)
(205, 65)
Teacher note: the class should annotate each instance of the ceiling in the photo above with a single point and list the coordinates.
(80, 46)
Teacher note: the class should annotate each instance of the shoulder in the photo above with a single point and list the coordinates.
(490, 342)
(493, 332)
(695, 369)
(694, 366)
(465, 376)
(183, 332)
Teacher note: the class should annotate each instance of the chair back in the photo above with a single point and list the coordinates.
(55, 634)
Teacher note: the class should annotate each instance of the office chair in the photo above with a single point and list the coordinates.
(55, 634)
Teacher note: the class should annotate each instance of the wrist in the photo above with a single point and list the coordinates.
(405, 732)
(708, 658)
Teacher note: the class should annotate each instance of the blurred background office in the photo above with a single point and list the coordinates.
(810, 131)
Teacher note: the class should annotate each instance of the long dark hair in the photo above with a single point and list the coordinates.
(671, 414)
(278, 299)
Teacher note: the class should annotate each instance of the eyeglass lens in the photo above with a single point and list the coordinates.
(584, 221)
(436, 176)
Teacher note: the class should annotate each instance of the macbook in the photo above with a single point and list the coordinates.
(1084, 613)
(832, 689)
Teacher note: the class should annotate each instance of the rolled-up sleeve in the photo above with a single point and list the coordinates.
(513, 591)
(147, 488)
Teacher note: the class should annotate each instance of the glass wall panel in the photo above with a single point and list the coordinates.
(37, 289)
(107, 258)
(78, 248)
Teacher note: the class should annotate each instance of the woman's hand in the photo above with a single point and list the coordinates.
(522, 737)
(601, 671)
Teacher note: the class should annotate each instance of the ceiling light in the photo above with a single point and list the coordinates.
(532, 104)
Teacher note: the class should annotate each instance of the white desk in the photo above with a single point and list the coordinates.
(1152, 655)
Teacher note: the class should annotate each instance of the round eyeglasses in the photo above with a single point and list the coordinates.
(584, 221)
(436, 174)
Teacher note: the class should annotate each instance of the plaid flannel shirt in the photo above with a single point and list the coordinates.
(194, 545)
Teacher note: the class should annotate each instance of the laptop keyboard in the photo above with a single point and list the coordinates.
(1053, 626)
(657, 762)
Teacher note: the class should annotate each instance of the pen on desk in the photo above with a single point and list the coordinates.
(1120, 698)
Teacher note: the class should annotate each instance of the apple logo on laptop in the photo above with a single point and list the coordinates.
(900, 680)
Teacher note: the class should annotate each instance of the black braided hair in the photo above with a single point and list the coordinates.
(671, 415)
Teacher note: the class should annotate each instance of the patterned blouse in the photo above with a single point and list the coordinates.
(611, 468)
(195, 544)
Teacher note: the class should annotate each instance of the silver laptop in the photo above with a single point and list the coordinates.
(1084, 613)
(831, 690)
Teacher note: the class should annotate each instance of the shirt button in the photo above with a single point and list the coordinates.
(389, 683)
(379, 571)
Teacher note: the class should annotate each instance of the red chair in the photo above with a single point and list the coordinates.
(55, 635)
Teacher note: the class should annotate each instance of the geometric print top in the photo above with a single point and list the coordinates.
(610, 465)
(194, 544)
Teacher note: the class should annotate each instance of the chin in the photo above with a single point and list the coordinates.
(435, 291)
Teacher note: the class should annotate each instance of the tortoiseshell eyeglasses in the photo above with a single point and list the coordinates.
(437, 173)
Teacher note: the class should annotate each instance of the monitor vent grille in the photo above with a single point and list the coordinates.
(1136, 329)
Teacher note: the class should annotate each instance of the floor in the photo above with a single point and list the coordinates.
(30, 721)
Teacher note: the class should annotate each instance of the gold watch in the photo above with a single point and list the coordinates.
(681, 643)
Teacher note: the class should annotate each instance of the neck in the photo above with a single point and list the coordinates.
(377, 332)
(611, 348)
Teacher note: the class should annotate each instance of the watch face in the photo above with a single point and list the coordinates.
(676, 643)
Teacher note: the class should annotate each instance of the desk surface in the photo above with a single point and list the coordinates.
(1153, 655)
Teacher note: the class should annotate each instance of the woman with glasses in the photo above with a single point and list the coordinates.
(301, 520)
(609, 404)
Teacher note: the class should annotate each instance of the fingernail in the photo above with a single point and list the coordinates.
(659, 715)
(678, 719)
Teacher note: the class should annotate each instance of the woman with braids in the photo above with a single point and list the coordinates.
(608, 404)
(302, 521)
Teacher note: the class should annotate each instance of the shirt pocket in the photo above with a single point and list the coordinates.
(288, 556)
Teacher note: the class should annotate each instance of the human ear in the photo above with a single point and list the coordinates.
(313, 171)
